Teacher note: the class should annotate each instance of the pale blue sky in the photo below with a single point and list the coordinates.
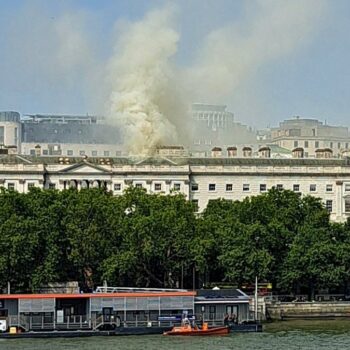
(41, 73)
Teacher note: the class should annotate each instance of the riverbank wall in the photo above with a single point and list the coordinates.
(304, 310)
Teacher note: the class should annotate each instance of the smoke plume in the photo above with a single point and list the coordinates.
(141, 72)
(145, 102)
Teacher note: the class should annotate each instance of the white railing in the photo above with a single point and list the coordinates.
(103, 289)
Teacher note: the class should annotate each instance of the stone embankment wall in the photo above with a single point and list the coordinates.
(279, 310)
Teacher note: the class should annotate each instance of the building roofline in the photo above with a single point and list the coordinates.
(96, 295)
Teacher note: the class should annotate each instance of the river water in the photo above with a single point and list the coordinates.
(287, 335)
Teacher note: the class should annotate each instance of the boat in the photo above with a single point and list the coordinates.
(188, 330)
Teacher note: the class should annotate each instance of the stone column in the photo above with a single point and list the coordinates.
(186, 189)
(167, 186)
(21, 187)
(109, 185)
(149, 186)
(339, 199)
(41, 183)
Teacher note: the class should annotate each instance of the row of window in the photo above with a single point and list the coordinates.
(328, 205)
(117, 187)
(212, 187)
(317, 144)
(176, 187)
(158, 186)
(263, 187)
(81, 153)
(12, 186)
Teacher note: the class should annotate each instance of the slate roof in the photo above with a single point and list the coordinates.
(191, 161)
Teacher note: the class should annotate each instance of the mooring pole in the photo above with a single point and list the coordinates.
(256, 298)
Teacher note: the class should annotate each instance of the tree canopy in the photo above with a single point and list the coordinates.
(156, 240)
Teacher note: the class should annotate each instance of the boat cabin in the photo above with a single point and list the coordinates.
(105, 309)
(212, 305)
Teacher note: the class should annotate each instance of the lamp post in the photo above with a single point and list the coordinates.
(256, 299)
(256, 281)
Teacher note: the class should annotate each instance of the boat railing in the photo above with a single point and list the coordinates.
(105, 289)
(18, 321)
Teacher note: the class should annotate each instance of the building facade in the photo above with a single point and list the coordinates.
(58, 135)
(311, 135)
(215, 126)
(199, 179)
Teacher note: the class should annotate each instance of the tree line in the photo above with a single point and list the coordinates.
(155, 240)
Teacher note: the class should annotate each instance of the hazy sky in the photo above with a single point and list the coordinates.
(267, 60)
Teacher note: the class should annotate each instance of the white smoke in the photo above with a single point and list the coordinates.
(141, 73)
(54, 61)
(143, 100)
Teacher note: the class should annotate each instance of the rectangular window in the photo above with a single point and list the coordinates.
(229, 187)
(69, 152)
(15, 136)
(347, 145)
(45, 152)
(94, 153)
(32, 152)
(157, 186)
(11, 186)
(2, 135)
(339, 145)
(138, 185)
(306, 144)
(347, 205)
(331, 144)
(246, 187)
(117, 187)
(52, 186)
(212, 187)
(329, 188)
(195, 204)
(312, 188)
(263, 187)
(347, 187)
(296, 187)
(317, 144)
(295, 143)
(177, 187)
(279, 186)
(306, 154)
(194, 187)
(30, 185)
(82, 153)
(329, 205)
(106, 153)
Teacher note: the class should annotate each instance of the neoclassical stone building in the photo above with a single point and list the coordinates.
(200, 179)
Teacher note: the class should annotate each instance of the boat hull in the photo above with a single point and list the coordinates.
(199, 332)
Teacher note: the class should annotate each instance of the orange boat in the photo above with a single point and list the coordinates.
(188, 330)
